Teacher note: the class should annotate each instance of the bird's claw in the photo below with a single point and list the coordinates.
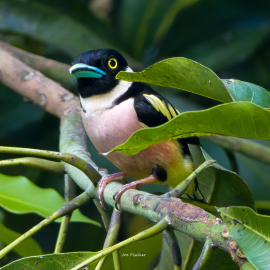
(103, 183)
(117, 196)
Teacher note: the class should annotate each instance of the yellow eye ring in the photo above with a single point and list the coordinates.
(112, 63)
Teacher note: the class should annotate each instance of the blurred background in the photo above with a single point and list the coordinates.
(230, 37)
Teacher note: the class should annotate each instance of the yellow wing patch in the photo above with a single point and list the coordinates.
(143, 125)
(166, 109)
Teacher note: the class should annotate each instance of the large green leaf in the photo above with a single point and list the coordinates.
(181, 73)
(239, 119)
(244, 91)
(220, 187)
(251, 233)
(20, 196)
(62, 261)
(29, 247)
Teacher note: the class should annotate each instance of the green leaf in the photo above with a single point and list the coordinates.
(251, 232)
(18, 195)
(62, 261)
(29, 247)
(238, 119)
(244, 91)
(220, 187)
(181, 73)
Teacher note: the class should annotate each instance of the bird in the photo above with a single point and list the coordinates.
(112, 110)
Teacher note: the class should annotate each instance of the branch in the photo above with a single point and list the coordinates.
(34, 86)
(70, 190)
(43, 164)
(111, 239)
(52, 69)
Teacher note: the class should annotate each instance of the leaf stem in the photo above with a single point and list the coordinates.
(183, 186)
(67, 158)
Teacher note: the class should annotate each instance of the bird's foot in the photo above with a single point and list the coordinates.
(133, 185)
(103, 183)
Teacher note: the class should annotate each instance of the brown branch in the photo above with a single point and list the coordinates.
(34, 86)
(40, 63)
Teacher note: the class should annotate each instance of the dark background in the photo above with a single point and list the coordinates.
(230, 37)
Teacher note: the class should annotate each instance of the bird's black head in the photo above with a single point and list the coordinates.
(95, 71)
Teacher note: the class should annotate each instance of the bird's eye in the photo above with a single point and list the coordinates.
(112, 63)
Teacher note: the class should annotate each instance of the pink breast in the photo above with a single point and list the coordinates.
(109, 128)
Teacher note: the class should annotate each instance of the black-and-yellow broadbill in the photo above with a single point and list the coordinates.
(113, 109)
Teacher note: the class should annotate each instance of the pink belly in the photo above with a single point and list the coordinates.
(112, 127)
(140, 165)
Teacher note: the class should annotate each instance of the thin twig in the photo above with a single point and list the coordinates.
(70, 190)
(183, 186)
(43, 164)
(67, 158)
(66, 208)
(111, 239)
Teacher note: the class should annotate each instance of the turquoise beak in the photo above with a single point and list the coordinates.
(84, 71)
